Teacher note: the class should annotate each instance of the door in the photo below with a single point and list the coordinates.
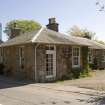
(50, 64)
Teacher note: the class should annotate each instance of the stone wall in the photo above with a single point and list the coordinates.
(63, 62)
(41, 63)
(11, 62)
(9, 55)
(98, 58)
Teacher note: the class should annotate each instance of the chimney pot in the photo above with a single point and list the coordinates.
(52, 20)
(53, 25)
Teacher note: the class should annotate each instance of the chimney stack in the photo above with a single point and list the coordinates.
(53, 25)
(13, 32)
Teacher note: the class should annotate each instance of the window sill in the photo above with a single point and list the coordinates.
(76, 66)
(50, 76)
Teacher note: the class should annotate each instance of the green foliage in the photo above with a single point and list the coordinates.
(80, 71)
(65, 77)
(85, 61)
(100, 41)
(23, 25)
(84, 51)
(76, 72)
(60, 81)
(84, 71)
(92, 66)
(76, 31)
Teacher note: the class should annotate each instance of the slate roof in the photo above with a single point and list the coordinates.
(45, 35)
(93, 44)
(21, 39)
(96, 45)
(49, 36)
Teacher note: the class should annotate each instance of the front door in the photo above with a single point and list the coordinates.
(50, 63)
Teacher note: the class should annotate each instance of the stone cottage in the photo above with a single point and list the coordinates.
(43, 55)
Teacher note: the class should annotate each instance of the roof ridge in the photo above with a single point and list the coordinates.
(38, 33)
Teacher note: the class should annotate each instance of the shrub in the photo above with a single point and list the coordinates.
(80, 72)
(64, 77)
(76, 72)
(84, 73)
(67, 76)
(91, 65)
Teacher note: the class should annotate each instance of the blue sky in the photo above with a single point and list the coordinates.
(68, 13)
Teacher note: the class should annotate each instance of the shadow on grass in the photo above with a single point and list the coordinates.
(6, 82)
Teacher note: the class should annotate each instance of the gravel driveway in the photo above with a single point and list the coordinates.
(97, 81)
(17, 93)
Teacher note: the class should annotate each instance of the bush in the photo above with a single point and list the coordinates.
(84, 74)
(2, 68)
(64, 77)
(80, 72)
(91, 65)
(76, 72)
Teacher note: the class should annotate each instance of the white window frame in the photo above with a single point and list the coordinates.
(103, 56)
(78, 65)
(1, 55)
(21, 54)
(53, 52)
(90, 56)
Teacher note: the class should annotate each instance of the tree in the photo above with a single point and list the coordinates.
(100, 41)
(23, 25)
(78, 32)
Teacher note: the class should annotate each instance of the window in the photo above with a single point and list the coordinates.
(67, 51)
(1, 55)
(90, 56)
(50, 47)
(4, 56)
(21, 57)
(76, 57)
(49, 64)
(103, 56)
